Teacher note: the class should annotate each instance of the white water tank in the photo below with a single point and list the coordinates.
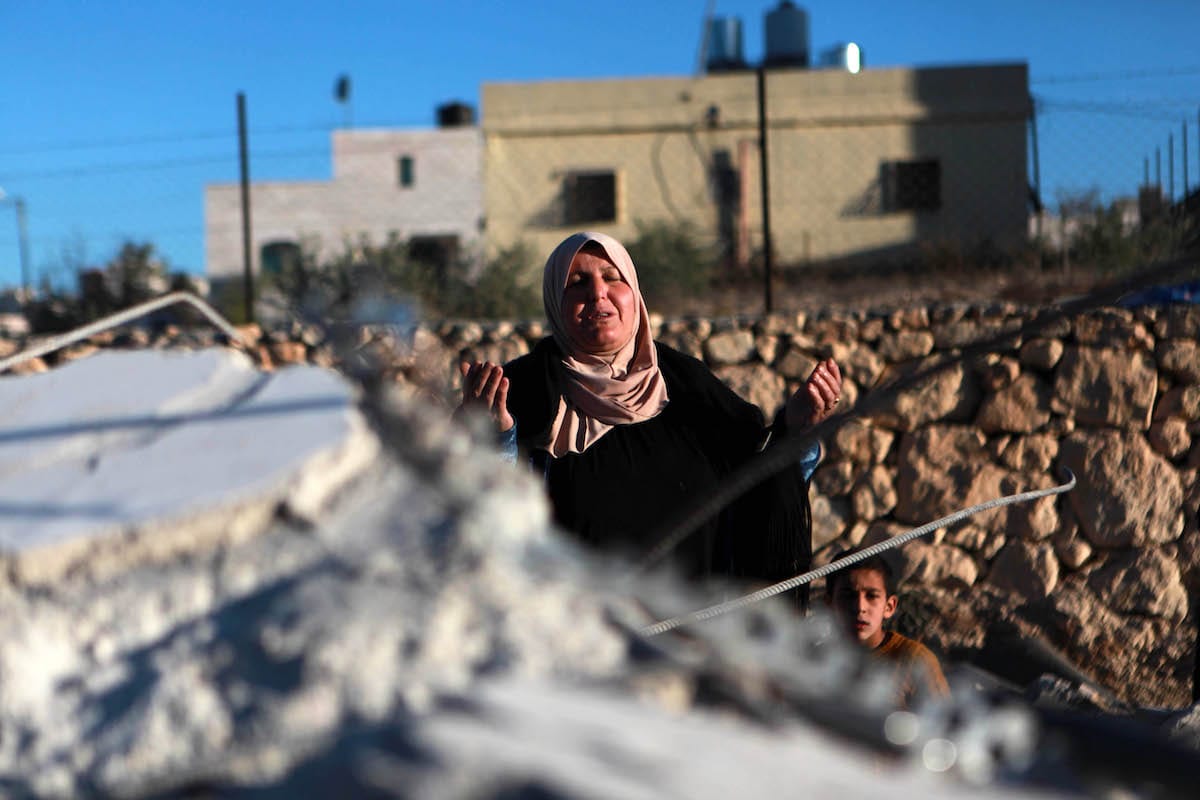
(847, 56)
(786, 36)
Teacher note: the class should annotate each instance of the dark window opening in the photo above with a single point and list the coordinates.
(279, 257)
(405, 171)
(911, 185)
(590, 197)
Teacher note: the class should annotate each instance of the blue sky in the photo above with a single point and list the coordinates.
(114, 115)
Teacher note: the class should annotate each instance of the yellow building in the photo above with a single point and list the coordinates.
(867, 165)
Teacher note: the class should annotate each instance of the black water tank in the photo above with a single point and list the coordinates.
(455, 115)
(724, 45)
(786, 31)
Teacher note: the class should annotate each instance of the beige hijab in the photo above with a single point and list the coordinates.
(598, 392)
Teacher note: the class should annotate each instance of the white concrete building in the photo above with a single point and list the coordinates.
(422, 185)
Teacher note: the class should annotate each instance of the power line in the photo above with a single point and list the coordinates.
(1114, 109)
(1186, 103)
(152, 166)
(1094, 77)
(194, 136)
(137, 166)
(164, 138)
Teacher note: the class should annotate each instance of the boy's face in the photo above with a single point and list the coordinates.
(861, 602)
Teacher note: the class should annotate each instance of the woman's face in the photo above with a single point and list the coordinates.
(599, 309)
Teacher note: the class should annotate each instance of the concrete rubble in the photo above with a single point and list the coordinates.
(230, 582)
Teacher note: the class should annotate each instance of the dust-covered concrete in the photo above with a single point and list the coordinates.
(423, 631)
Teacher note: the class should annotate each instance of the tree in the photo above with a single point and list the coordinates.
(507, 287)
(391, 276)
(671, 261)
(135, 274)
(1113, 237)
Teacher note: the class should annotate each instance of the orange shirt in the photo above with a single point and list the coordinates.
(916, 666)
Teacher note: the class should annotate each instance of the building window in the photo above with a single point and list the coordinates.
(404, 171)
(278, 258)
(911, 185)
(590, 197)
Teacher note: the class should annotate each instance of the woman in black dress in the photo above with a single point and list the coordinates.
(627, 431)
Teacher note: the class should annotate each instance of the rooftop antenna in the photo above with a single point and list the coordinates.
(341, 93)
(706, 25)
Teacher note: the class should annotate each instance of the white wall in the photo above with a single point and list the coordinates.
(364, 197)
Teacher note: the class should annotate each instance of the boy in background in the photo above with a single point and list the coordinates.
(863, 596)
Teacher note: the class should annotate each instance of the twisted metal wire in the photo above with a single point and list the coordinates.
(842, 563)
(118, 319)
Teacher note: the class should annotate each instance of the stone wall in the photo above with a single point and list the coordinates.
(1107, 575)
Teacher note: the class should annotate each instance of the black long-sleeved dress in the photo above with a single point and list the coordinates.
(622, 488)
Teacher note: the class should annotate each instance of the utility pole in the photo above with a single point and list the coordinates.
(764, 188)
(1183, 144)
(1037, 172)
(247, 266)
(23, 245)
(1171, 167)
(22, 240)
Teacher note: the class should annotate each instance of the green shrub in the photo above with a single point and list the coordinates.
(508, 287)
(671, 261)
(369, 278)
(228, 298)
(1107, 240)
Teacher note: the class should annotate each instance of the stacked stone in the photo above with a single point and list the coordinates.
(1113, 395)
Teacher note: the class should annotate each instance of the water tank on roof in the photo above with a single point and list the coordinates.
(846, 56)
(724, 45)
(455, 115)
(787, 36)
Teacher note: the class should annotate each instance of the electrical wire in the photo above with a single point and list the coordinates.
(156, 166)
(1136, 74)
(120, 318)
(854, 558)
(159, 138)
(1113, 109)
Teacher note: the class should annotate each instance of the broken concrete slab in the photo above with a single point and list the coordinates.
(129, 455)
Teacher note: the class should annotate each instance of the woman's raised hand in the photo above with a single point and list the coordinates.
(485, 388)
(817, 399)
